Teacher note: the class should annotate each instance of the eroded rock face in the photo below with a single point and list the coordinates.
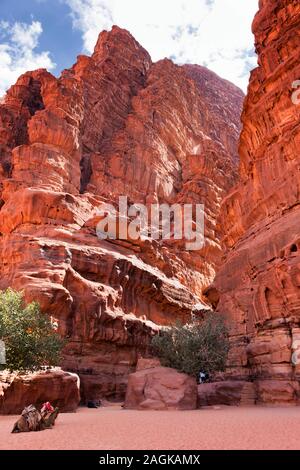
(278, 392)
(56, 386)
(160, 388)
(147, 363)
(259, 284)
(114, 124)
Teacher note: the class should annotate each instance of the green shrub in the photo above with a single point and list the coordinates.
(29, 336)
(195, 347)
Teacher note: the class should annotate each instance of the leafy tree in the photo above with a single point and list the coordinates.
(198, 346)
(30, 338)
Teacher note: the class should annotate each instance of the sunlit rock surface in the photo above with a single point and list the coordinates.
(114, 124)
(258, 284)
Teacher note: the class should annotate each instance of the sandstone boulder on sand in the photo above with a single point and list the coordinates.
(227, 392)
(57, 386)
(220, 393)
(161, 388)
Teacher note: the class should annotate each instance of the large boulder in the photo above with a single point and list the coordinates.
(228, 392)
(161, 388)
(57, 386)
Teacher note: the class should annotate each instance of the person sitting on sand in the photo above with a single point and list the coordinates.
(33, 420)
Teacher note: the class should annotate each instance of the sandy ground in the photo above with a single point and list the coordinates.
(114, 428)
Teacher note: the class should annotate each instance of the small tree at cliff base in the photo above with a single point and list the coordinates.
(30, 338)
(198, 346)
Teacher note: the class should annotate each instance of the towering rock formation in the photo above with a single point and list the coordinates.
(259, 282)
(114, 124)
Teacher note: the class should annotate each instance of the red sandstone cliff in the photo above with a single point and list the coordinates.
(259, 281)
(114, 124)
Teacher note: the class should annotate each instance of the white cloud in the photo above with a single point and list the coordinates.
(215, 33)
(91, 17)
(18, 42)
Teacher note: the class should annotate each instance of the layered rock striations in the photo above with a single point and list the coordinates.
(259, 281)
(115, 124)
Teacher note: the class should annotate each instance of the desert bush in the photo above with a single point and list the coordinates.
(30, 338)
(197, 346)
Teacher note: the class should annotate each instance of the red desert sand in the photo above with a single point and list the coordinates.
(114, 428)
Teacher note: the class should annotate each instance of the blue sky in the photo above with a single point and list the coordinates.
(51, 33)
